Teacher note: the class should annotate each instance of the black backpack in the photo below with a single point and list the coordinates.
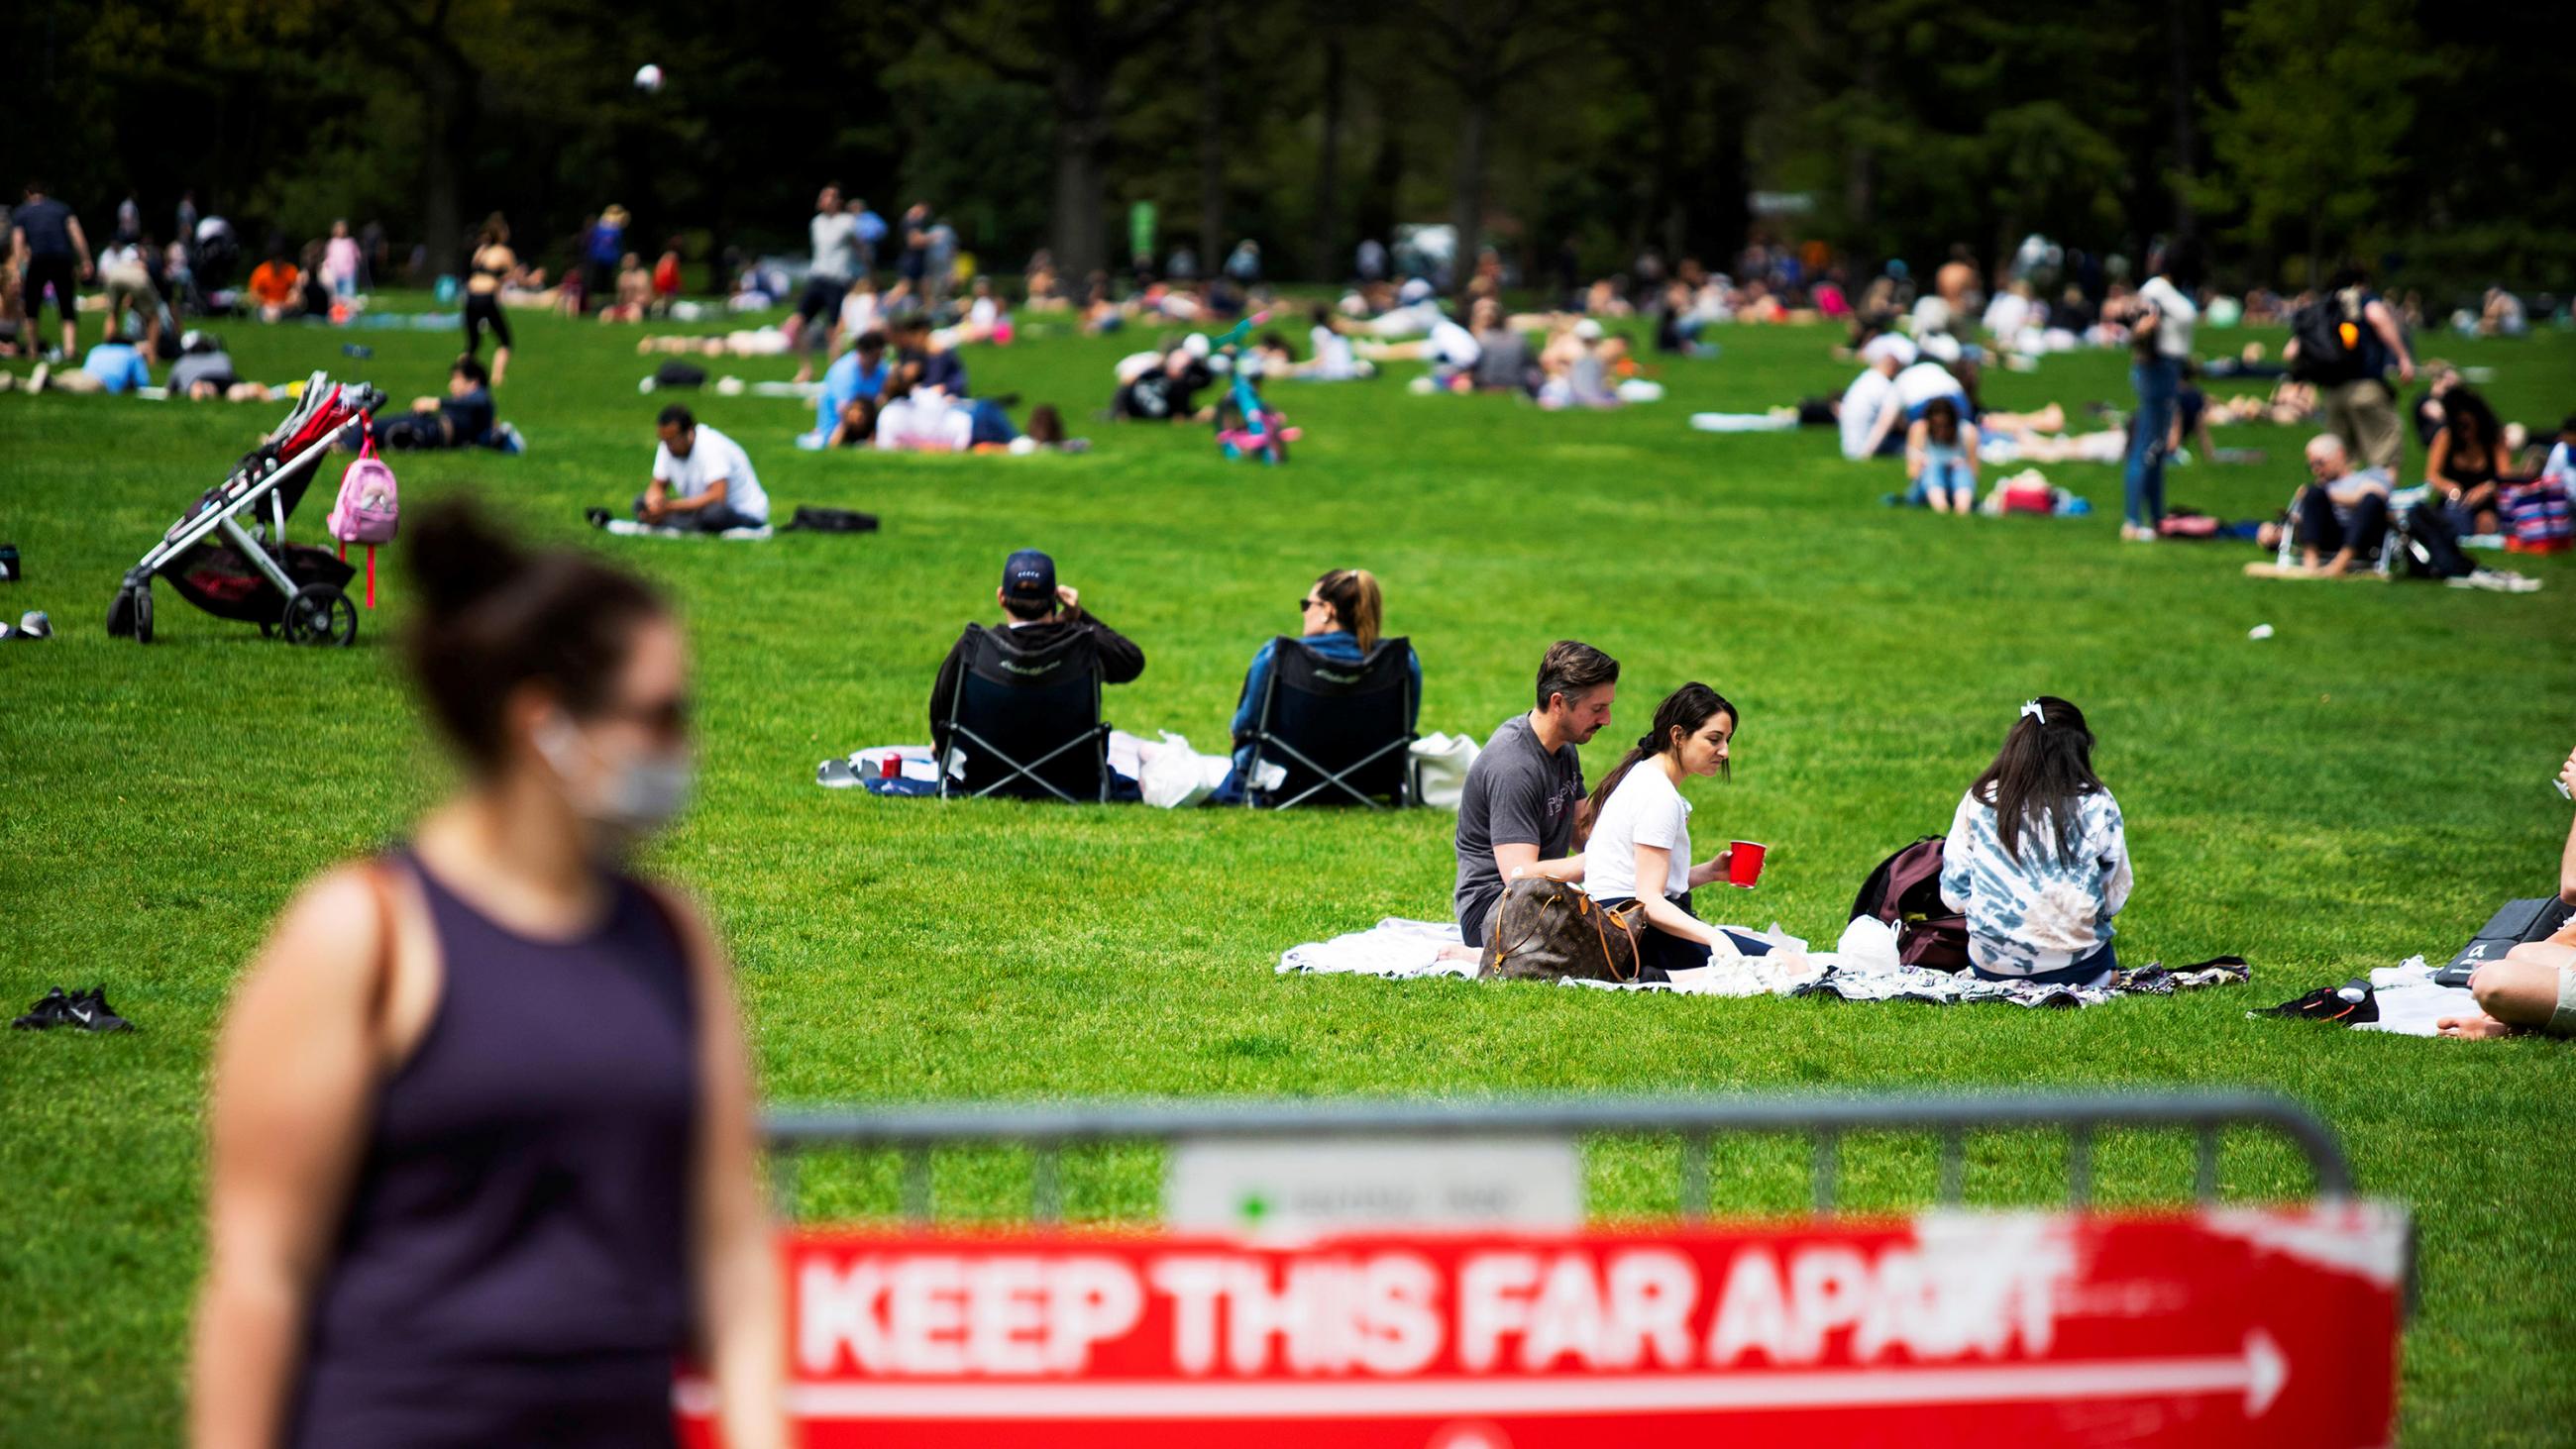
(2331, 344)
(2426, 546)
(1905, 892)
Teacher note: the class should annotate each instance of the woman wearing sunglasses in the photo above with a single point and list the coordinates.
(1339, 618)
(483, 1154)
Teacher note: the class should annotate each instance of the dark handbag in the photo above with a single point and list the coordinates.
(1545, 930)
(810, 519)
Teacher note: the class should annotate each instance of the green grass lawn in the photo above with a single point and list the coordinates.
(2366, 785)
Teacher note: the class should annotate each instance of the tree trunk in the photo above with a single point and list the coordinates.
(2316, 246)
(2178, 40)
(447, 120)
(1860, 174)
(1078, 225)
(1211, 63)
(1328, 166)
(1467, 187)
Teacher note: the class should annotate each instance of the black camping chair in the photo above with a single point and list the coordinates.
(1027, 723)
(1336, 726)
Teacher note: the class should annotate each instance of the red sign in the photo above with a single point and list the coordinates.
(2215, 1328)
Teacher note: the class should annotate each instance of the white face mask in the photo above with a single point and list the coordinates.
(629, 799)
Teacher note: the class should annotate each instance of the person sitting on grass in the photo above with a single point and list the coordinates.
(462, 419)
(1873, 395)
(702, 480)
(2533, 988)
(1037, 613)
(2037, 859)
(2467, 462)
(113, 366)
(1639, 849)
(1523, 797)
(1338, 619)
(2340, 518)
(276, 287)
(1941, 459)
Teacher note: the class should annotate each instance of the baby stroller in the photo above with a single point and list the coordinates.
(1246, 425)
(252, 573)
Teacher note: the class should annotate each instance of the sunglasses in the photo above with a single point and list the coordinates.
(668, 718)
(1308, 602)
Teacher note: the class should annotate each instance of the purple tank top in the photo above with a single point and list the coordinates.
(513, 1262)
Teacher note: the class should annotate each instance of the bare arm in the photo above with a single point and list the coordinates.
(1888, 413)
(714, 494)
(294, 1072)
(80, 246)
(740, 1305)
(2384, 322)
(2567, 858)
(1915, 437)
(1567, 869)
(2437, 463)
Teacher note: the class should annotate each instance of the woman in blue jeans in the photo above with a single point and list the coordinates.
(2161, 336)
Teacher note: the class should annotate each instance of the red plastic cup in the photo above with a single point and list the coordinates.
(1744, 862)
(888, 767)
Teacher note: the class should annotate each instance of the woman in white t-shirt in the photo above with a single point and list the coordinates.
(2161, 337)
(1641, 832)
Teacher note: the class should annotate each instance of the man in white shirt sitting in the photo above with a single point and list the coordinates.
(702, 480)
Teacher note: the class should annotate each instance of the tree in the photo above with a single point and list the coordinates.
(2317, 117)
(1073, 48)
(1481, 50)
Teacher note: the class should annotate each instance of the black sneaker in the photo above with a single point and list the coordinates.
(2351, 1004)
(52, 1011)
(598, 517)
(90, 1012)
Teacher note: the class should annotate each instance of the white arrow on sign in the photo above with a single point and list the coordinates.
(2258, 1373)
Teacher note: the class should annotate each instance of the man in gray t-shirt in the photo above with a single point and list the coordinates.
(1524, 794)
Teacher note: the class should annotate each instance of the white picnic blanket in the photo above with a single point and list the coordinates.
(1396, 949)
(2410, 1003)
(636, 528)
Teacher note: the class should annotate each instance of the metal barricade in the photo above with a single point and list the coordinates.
(1046, 1129)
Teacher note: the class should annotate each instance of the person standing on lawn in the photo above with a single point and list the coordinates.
(484, 1159)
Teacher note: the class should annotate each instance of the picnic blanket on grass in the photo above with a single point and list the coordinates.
(1773, 963)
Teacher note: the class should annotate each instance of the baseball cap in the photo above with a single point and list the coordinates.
(1413, 291)
(1588, 329)
(1030, 575)
(1941, 347)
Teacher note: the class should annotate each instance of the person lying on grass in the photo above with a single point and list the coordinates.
(1639, 849)
(2038, 859)
(2534, 987)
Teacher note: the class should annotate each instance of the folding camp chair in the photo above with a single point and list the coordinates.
(1336, 726)
(1027, 724)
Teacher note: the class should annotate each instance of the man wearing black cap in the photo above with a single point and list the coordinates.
(1037, 613)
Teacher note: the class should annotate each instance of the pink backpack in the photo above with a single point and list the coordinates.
(369, 508)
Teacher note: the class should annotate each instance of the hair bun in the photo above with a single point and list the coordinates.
(1646, 743)
(458, 556)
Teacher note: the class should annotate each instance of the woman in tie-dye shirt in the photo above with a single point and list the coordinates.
(2037, 860)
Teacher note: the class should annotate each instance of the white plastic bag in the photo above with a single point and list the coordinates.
(1440, 768)
(1174, 776)
(1869, 944)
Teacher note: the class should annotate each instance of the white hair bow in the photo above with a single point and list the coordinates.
(2030, 710)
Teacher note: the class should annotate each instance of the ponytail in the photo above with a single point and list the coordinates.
(1356, 602)
(1683, 711)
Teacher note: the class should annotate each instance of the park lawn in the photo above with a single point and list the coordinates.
(2366, 785)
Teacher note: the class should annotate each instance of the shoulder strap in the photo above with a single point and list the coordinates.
(380, 969)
